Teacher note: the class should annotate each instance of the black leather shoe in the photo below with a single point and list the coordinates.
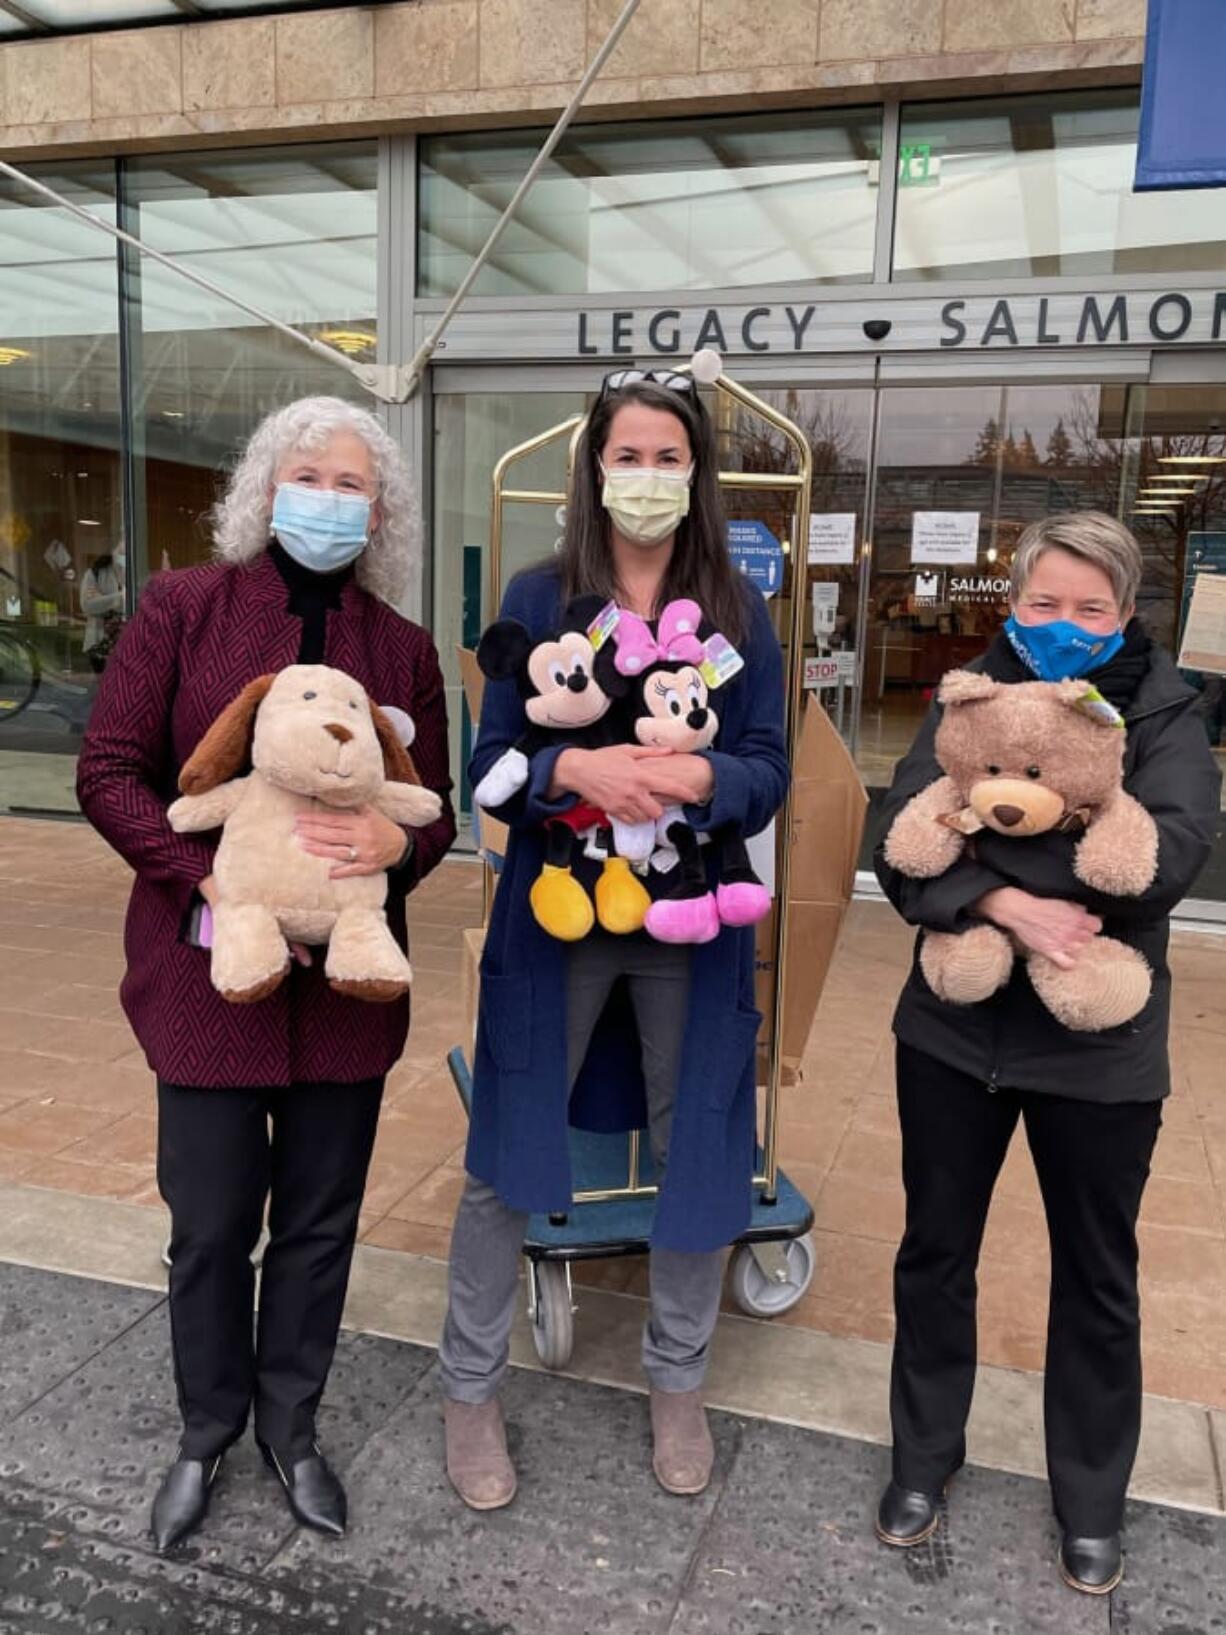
(1092, 1565)
(905, 1517)
(312, 1488)
(182, 1500)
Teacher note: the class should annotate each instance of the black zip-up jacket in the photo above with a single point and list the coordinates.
(1012, 1040)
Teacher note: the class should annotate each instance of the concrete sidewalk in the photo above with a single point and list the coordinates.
(780, 1544)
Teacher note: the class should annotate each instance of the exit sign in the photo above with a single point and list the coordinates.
(918, 166)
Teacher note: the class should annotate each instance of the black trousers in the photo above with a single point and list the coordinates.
(221, 1155)
(1092, 1161)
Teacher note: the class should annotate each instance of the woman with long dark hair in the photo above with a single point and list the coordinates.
(613, 1027)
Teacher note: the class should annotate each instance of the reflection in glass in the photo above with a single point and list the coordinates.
(61, 519)
(293, 232)
(837, 426)
(700, 204)
(1042, 187)
(472, 433)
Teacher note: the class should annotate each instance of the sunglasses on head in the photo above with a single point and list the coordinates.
(671, 379)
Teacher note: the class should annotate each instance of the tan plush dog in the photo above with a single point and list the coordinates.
(313, 739)
(1023, 760)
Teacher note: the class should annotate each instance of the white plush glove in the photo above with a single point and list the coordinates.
(505, 778)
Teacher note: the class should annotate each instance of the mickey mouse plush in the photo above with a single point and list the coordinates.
(674, 673)
(569, 684)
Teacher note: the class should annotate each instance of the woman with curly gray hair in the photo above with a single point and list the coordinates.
(275, 1101)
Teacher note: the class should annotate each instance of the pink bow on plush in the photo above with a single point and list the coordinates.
(677, 642)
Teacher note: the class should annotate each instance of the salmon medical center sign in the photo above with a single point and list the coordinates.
(979, 323)
(870, 325)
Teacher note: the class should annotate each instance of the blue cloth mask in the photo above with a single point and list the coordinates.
(1061, 650)
(321, 529)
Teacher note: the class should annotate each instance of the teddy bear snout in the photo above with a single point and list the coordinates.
(335, 730)
(1009, 816)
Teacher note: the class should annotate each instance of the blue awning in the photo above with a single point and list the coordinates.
(1182, 141)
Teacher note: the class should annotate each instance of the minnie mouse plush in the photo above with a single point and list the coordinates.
(673, 675)
(569, 683)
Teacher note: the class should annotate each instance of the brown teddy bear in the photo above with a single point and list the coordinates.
(313, 738)
(1026, 759)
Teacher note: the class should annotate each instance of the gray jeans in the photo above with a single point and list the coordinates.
(487, 1239)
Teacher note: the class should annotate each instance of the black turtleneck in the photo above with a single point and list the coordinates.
(311, 596)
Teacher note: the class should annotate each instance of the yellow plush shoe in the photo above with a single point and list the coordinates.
(622, 900)
(560, 904)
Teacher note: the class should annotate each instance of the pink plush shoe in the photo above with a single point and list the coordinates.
(683, 919)
(742, 902)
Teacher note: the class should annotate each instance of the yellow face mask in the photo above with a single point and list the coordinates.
(645, 502)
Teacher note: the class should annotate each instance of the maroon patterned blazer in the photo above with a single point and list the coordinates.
(199, 635)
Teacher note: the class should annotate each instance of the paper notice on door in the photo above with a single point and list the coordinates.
(939, 537)
(1204, 631)
(832, 537)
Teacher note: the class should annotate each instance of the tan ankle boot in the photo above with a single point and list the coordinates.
(478, 1464)
(684, 1451)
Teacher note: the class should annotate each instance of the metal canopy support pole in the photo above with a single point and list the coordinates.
(390, 383)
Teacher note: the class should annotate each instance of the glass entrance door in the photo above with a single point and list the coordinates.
(471, 432)
(995, 458)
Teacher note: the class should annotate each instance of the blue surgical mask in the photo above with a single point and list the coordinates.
(321, 528)
(1061, 650)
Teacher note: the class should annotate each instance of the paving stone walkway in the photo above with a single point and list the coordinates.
(779, 1545)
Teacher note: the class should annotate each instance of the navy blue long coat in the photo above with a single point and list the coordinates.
(518, 1135)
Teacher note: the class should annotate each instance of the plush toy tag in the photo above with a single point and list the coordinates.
(721, 663)
(964, 822)
(1093, 704)
(603, 625)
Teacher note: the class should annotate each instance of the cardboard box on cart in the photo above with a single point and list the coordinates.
(829, 806)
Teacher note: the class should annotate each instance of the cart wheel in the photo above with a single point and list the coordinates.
(762, 1295)
(553, 1316)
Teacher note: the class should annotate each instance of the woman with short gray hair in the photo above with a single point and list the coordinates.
(276, 1099)
(1091, 1102)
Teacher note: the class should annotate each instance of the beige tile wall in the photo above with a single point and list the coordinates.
(440, 62)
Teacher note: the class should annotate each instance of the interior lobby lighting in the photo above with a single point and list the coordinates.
(1192, 459)
(12, 354)
(88, 522)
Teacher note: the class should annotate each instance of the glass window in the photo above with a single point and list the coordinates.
(86, 14)
(1010, 455)
(472, 432)
(62, 572)
(290, 230)
(708, 204)
(1042, 187)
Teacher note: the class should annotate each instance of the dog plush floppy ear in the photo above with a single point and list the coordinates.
(398, 764)
(226, 746)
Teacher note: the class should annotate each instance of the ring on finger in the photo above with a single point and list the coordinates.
(353, 854)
